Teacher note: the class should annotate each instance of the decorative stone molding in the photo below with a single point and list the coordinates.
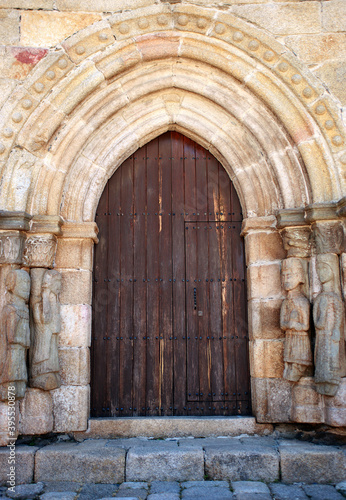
(17, 221)
(272, 77)
(291, 217)
(80, 230)
(46, 224)
(11, 247)
(40, 251)
(297, 241)
(258, 224)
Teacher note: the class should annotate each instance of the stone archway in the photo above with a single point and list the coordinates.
(209, 75)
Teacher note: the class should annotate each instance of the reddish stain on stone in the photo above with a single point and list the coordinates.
(28, 56)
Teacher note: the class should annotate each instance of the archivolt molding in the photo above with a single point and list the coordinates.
(94, 100)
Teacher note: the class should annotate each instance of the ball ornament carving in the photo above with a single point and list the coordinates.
(329, 124)
(320, 109)
(268, 55)
(296, 78)
(17, 117)
(124, 28)
(80, 50)
(39, 87)
(307, 92)
(238, 36)
(103, 37)
(183, 20)
(201, 23)
(220, 29)
(50, 75)
(143, 23)
(283, 67)
(62, 63)
(27, 104)
(253, 45)
(337, 140)
(7, 132)
(162, 20)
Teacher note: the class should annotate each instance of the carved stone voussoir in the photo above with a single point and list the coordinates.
(297, 241)
(11, 247)
(328, 237)
(40, 251)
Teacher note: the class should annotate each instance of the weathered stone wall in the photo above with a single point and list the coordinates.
(83, 84)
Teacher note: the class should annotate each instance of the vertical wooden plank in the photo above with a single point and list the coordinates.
(213, 188)
(126, 290)
(140, 288)
(228, 316)
(114, 273)
(165, 286)
(191, 250)
(215, 328)
(99, 309)
(178, 257)
(240, 311)
(153, 299)
(224, 195)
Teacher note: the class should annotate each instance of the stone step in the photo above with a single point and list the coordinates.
(225, 459)
(169, 427)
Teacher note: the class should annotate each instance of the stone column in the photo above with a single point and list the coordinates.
(264, 252)
(74, 260)
(12, 237)
(39, 255)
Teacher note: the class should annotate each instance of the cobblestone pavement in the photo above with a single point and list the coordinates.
(172, 490)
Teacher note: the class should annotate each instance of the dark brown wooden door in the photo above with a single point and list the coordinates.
(169, 295)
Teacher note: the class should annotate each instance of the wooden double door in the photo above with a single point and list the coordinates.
(169, 288)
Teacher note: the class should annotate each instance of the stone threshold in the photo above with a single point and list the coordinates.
(243, 458)
(170, 427)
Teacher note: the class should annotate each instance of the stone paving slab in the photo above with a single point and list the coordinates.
(160, 462)
(287, 492)
(62, 495)
(311, 463)
(85, 462)
(241, 463)
(140, 493)
(25, 457)
(96, 491)
(59, 486)
(319, 492)
(190, 490)
(157, 487)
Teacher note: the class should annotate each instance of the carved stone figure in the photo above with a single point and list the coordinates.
(46, 325)
(328, 313)
(14, 334)
(295, 321)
